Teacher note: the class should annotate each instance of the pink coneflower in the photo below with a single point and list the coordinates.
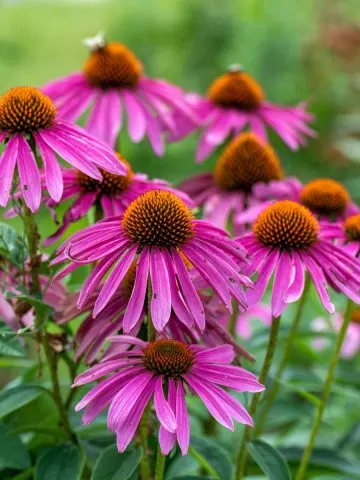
(28, 122)
(150, 369)
(285, 241)
(235, 100)
(346, 233)
(326, 198)
(112, 79)
(158, 231)
(93, 333)
(351, 345)
(113, 194)
(244, 320)
(228, 191)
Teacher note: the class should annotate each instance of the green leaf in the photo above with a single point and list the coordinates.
(325, 458)
(64, 462)
(17, 397)
(112, 465)
(10, 347)
(40, 306)
(13, 453)
(191, 477)
(270, 460)
(211, 457)
(12, 245)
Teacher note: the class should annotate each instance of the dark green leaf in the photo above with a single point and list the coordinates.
(211, 457)
(42, 307)
(325, 458)
(12, 246)
(270, 460)
(112, 465)
(64, 462)
(13, 453)
(14, 398)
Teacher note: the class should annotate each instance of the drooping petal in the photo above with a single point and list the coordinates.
(29, 174)
(7, 167)
(163, 410)
(161, 296)
(114, 279)
(138, 295)
(136, 116)
(182, 419)
(53, 173)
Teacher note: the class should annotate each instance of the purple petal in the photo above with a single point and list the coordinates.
(182, 419)
(53, 173)
(163, 410)
(114, 279)
(136, 303)
(7, 166)
(29, 175)
(136, 116)
(281, 283)
(161, 297)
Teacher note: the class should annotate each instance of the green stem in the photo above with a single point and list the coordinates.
(33, 238)
(160, 465)
(144, 433)
(273, 391)
(242, 457)
(325, 394)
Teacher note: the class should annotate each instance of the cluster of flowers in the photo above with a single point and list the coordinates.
(153, 263)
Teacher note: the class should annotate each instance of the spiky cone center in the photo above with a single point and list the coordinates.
(355, 316)
(111, 184)
(158, 218)
(113, 65)
(245, 162)
(352, 228)
(325, 197)
(286, 225)
(171, 358)
(26, 109)
(236, 89)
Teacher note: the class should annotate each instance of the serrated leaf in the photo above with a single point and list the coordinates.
(270, 460)
(13, 453)
(12, 245)
(112, 465)
(211, 457)
(64, 462)
(17, 397)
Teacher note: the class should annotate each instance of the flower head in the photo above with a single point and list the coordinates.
(234, 100)
(326, 198)
(113, 193)
(150, 369)
(347, 233)
(29, 125)
(246, 162)
(285, 241)
(113, 78)
(159, 232)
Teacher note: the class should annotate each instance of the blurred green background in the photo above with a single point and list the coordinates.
(306, 50)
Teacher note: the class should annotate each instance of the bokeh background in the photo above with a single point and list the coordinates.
(298, 50)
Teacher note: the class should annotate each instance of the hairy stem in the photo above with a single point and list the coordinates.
(144, 433)
(242, 457)
(33, 238)
(160, 465)
(273, 391)
(300, 475)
